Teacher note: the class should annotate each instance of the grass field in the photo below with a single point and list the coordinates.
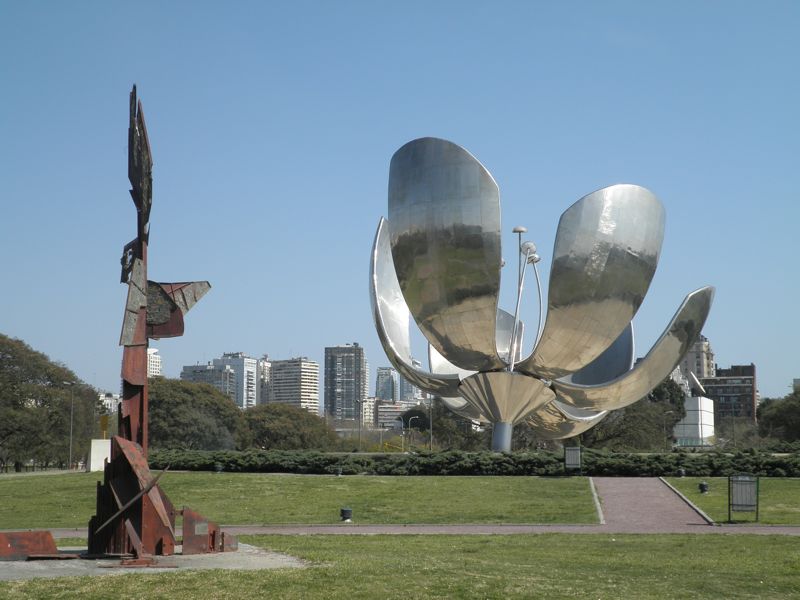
(256, 499)
(443, 566)
(779, 499)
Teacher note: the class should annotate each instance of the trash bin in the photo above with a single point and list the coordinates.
(346, 514)
(703, 487)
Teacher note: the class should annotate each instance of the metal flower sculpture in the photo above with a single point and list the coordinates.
(438, 259)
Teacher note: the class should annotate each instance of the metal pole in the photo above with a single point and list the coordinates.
(430, 421)
(520, 282)
(729, 498)
(360, 419)
(71, 413)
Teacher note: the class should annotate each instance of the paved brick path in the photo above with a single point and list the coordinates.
(645, 504)
(629, 505)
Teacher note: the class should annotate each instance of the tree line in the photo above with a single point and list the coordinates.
(47, 415)
(45, 410)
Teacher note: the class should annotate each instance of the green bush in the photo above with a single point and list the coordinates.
(456, 462)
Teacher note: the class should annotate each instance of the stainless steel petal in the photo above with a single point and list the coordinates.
(663, 357)
(444, 216)
(392, 319)
(505, 323)
(616, 360)
(605, 254)
(503, 396)
(439, 365)
(463, 409)
(557, 421)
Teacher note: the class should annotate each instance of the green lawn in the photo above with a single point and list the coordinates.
(499, 566)
(779, 499)
(68, 500)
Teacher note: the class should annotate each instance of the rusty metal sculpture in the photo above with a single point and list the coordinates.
(134, 516)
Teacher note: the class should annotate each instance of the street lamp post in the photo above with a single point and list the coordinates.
(71, 415)
(430, 422)
(411, 431)
(360, 418)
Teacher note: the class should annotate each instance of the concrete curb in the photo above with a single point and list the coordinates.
(597, 504)
(691, 504)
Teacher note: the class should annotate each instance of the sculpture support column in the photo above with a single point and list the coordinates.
(501, 436)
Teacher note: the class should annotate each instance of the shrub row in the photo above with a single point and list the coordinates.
(709, 464)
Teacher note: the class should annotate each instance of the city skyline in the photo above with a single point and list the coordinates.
(273, 143)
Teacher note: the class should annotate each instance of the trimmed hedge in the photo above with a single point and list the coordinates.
(706, 464)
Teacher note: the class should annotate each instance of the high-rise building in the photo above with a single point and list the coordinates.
(264, 378)
(387, 385)
(245, 391)
(110, 401)
(699, 359)
(346, 377)
(733, 391)
(408, 393)
(369, 416)
(388, 415)
(153, 363)
(221, 377)
(295, 381)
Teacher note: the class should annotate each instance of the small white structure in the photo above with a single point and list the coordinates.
(101, 450)
(153, 363)
(696, 429)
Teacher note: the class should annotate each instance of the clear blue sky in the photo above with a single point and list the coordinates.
(272, 125)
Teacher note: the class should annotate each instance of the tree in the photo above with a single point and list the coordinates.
(195, 416)
(451, 432)
(525, 437)
(780, 419)
(645, 425)
(40, 401)
(285, 427)
(736, 432)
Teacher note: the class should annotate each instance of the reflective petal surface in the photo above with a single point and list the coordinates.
(616, 360)
(557, 421)
(439, 365)
(503, 396)
(444, 216)
(392, 318)
(464, 409)
(663, 357)
(505, 323)
(606, 251)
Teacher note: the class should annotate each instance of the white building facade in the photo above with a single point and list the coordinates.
(699, 359)
(696, 429)
(294, 381)
(235, 374)
(153, 363)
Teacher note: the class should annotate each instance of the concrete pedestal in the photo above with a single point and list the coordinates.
(101, 450)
